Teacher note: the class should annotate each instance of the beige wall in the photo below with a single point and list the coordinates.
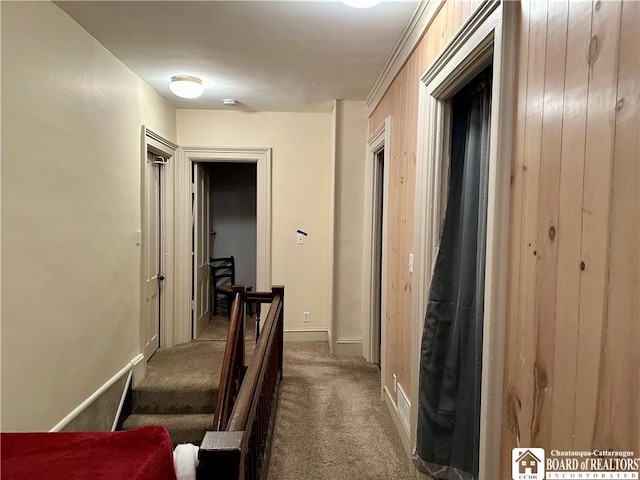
(351, 140)
(71, 137)
(301, 182)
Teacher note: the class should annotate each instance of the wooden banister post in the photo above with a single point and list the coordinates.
(233, 368)
(220, 456)
(241, 290)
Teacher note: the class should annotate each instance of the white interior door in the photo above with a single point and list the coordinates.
(201, 270)
(152, 265)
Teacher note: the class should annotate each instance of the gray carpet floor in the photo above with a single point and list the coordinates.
(331, 423)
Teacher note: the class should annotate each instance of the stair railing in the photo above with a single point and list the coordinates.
(233, 368)
(240, 449)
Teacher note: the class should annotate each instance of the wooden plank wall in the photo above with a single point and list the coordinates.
(572, 353)
(572, 372)
(401, 103)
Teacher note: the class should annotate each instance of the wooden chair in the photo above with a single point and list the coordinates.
(223, 278)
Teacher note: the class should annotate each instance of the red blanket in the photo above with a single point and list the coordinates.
(140, 454)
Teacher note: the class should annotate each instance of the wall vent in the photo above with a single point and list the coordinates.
(404, 409)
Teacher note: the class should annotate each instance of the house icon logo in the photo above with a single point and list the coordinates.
(527, 464)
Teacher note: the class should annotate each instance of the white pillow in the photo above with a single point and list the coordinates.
(185, 461)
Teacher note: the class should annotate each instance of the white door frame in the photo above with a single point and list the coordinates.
(182, 222)
(154, 143)
(379, 140)
(489, 31)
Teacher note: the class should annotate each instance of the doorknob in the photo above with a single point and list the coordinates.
(160, 277)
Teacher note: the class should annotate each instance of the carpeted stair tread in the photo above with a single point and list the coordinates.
(175, 402)
(182, 428)
(182, 379)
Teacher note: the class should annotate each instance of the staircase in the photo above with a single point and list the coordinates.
(179, 391)
(180, 388)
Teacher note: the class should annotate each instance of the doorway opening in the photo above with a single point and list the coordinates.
(374, 275)
(451, 349)
(196, 231)
(486, 38)
(376, 259)
(224, 203)
(234, 217)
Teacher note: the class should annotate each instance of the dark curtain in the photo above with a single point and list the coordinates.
(451, 352)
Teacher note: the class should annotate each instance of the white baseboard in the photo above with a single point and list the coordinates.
(97, 394)
(306, 335)
(349, 348)
(393, 410)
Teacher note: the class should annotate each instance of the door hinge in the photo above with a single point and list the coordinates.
(193, 304)
(193, 188)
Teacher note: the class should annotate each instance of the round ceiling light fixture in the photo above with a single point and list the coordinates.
(361, 3)
(186, 86)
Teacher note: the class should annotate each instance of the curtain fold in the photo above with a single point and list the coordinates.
(451, 352)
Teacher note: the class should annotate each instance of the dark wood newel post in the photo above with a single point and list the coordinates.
(220, 456)
(242, 291)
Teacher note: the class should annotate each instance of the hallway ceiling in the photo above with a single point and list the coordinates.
(268, 55)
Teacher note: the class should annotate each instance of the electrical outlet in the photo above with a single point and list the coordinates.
(305, 317)
(395, 383)
(411, 263)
